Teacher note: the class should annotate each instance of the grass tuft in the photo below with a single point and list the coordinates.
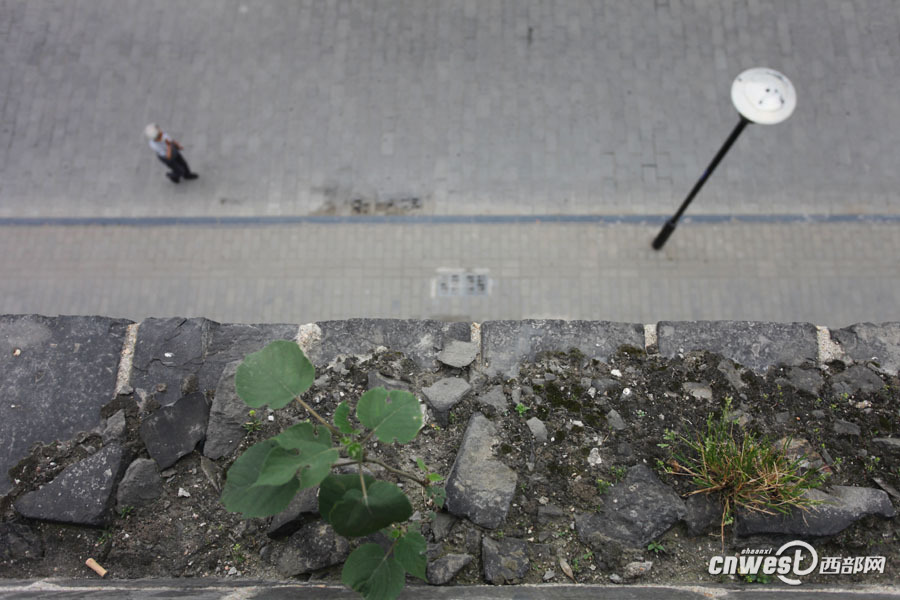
(743, 470)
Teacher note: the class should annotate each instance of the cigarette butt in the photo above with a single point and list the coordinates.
(95, 567)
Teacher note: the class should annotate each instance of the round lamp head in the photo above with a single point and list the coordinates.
(763, 96)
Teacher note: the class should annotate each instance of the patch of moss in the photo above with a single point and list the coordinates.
(628, 350)
(560, 436)
(560, 399)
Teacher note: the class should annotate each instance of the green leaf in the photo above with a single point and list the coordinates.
(438, 495)
(342, 419)
(304, 447)
(410, 553)
(333, 489)
(241, 494)
(394, 414)
(342, 504)
(421, 464)
(435, 477)
(373, 574)
(275, 375)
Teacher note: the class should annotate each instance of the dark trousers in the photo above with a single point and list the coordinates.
(176, 164)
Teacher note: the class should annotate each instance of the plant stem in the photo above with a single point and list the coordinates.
(398, 472)
(362, 483)
(318, 418)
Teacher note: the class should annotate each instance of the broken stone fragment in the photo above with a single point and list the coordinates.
(856, 379)
(635, 512)
(227, 416)
(842, 427)
(444, 395)
(538, 429)
(615, 420)
(141, 484)
(303, 505)
(702, 514)
(494, 398)
(81, 494)
(444, 569)
(115, 427)
(314, 546)
(174, 431)
(505, 561)
(458, 354)
(636, 570)
(699, 391)
(480, 487)
(837, 509)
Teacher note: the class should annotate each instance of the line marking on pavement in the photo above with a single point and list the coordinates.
(254, 221)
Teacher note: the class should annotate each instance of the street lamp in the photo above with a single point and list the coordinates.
(760, 95)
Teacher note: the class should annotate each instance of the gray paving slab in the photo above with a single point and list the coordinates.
(498, 107)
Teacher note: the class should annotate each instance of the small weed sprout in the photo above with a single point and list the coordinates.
(237, 554)
(603, 486)
(521, 409)
(125, 511)
(618, 471)
(656, 547)
(744, 471)
(254, 424)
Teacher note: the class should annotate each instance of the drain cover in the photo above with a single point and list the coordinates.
(459, 282)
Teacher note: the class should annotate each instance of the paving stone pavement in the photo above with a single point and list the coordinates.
(447, 108)
(451, 106)
(827, 274)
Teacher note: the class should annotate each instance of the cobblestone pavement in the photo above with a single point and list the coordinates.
(447, 108)
(828, 274)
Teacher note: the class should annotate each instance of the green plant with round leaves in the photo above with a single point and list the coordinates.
(266, 477)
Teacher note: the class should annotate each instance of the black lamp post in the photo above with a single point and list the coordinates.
(761, 96)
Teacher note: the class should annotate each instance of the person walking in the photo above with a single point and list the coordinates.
(169, 152)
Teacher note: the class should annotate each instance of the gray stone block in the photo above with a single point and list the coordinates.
(168, 352)
(82, 494)
(755, 345)
(174, 431)
(480, 487)
(538, 429)
(506, 344)
(869, 342)
(226, 417)
(839, 508)
(65, 367)
(229, 342)
(635, 512)
(419, 340)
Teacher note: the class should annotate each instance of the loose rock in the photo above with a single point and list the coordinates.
(636, 570)
(115, 427)
(81, 494)
(141, 484)
(18, 541)
(480, 487)
(494, 398)
(444, 569)
(227, 417)
(444, 395)
(538, 429)
(615, 420)
(842, 427)
(840, 508)
(635, 512)
(315, 546)
(505, 561)
(458, 354)
(173, 431)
